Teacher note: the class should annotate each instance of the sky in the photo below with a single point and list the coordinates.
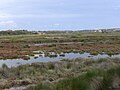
(59, 14)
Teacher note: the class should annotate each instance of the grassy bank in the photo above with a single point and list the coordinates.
(95, 79)
(58, 75)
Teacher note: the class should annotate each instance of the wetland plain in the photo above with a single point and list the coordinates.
(60, 61)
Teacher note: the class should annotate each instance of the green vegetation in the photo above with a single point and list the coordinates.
(95, 79)
(16, 32)
(26, 36)
(78, 74)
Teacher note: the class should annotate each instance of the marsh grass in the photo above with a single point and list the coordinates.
(78, 74)
(102, 60)
(84, 81)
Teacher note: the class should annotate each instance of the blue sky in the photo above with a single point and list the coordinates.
(59, 14)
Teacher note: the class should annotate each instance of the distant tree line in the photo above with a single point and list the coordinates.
(16, 32)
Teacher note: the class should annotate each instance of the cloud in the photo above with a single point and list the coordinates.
(117, 7)
(60, 15)
(56, 24)
(8, 24)
(4, 15)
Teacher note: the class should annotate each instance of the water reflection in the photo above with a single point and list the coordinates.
(42, 58)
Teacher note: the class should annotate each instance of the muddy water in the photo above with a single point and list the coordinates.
(42, 58)
(44, 44)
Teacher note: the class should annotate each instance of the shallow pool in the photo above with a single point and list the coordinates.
(42, 58)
